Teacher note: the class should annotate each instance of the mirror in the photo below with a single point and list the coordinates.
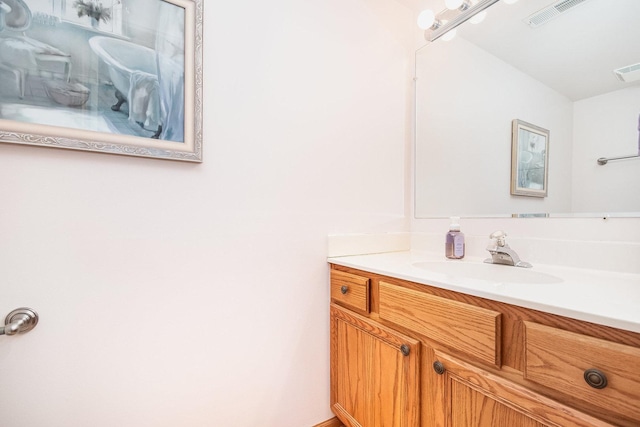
(557, 75)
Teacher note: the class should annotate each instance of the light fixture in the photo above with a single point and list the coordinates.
(426, 19)
(450, 35)
(509, 1)
(456, 4)
(479, 17)
(437, 25)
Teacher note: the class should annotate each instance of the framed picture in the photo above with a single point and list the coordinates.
(529, 159)
(109, 76)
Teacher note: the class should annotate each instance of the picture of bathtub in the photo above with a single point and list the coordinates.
(124, 83)
(133, 72)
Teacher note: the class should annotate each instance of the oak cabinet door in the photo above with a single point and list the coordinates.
(467, 396)
(374, 373)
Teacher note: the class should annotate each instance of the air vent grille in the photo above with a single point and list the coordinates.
(627, 74)
(565, 5)
(552, 11)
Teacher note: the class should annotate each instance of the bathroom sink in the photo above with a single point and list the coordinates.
(488, 272)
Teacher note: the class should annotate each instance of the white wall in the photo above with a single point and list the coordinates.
(466, 101)
(177, 294)
(606, 126)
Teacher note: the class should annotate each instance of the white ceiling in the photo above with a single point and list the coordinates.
(574, 53)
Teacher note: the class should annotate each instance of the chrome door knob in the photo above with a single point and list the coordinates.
(19, 321)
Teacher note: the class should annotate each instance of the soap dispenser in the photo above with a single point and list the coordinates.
(454, 243)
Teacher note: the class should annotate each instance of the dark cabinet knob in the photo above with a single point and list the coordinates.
(438, 367)
(344, 289)
(405, 349)
(595, 378)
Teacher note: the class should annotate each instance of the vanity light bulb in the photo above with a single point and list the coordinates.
(449, 35)
(453, 4)
(509, 1)
(479, 17)
(426, 19)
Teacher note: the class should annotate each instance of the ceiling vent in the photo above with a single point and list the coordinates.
(628, 74)
(552, 11)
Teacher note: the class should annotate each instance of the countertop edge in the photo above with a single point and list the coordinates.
(568, 307)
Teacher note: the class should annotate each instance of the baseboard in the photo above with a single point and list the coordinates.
(333, 422)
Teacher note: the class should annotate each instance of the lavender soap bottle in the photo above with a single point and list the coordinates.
(454, 243)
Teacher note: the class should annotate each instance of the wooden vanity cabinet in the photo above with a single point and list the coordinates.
(602, 373)
(350, 291)
(374, 373)
(465, 395)
(424, 356)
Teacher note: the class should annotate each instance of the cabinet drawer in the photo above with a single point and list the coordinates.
(562, 360)
(472, 330)
(350, 290)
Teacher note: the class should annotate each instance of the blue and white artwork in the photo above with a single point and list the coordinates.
(530, 160)
(115, 67)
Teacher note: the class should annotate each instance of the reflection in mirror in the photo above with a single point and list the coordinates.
(529, 146)
(555, 70)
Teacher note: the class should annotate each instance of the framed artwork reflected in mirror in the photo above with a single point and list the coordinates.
(529, 159)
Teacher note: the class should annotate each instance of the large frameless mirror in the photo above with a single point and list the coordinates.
(569, 67)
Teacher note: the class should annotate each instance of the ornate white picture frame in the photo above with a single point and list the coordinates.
(109, 76)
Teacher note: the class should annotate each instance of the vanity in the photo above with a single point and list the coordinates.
(420, 341)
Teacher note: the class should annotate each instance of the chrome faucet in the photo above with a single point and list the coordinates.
(501, 252)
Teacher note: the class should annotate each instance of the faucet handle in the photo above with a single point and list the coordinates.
(499, 236)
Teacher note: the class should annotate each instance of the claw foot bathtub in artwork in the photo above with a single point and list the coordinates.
(133, 71)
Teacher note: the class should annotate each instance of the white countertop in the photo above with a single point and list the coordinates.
(597, 296)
